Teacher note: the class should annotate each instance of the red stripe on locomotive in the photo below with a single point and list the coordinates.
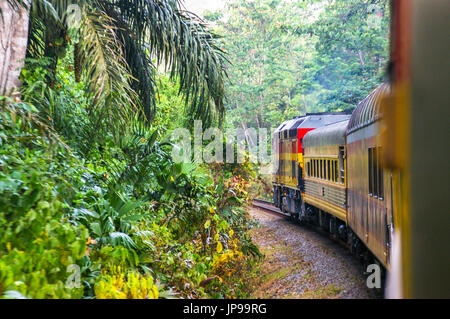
(301, 132)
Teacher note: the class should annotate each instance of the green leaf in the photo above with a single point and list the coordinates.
(96, 229)
(118, 238)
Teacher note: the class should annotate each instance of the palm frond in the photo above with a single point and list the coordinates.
(184, 45)
(144, 74)
(43, 18)
(19, 3)
(121, 239)
(104, 67)
(12, 113)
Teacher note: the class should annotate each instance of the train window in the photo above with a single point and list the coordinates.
(375, 172)
(314, 168)
(341, 164)
(317, 168)
(332, 171)
(336, 171)
(316, 171)
(328, 170)
(321, 169)
(380, 175)
(307, 169)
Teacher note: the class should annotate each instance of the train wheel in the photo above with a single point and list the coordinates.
(284, 211)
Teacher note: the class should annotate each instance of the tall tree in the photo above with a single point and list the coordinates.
(292, 57)
(266, 59)
(351, 51)
(13, 39)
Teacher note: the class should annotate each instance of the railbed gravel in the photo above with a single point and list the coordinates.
(303, 263)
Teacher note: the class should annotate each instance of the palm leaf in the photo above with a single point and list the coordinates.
(105, 68)
(121, 239)
(183, 45)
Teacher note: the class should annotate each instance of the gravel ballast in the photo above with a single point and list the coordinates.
(303, 263)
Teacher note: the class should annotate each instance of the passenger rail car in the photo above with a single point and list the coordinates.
(370, 187)
(325, 177)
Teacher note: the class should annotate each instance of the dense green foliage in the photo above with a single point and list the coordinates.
(293, 57)
(119, 208)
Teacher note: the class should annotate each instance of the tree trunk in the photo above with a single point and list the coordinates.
(361, 58)
(13, 46)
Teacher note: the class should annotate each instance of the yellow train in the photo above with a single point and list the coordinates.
(379, 178)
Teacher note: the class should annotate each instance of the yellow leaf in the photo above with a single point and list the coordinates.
(211, 210)
(171, 179)
(217, 237)
(219, 247)
(231, 233)
(155, 292)
(207, 224)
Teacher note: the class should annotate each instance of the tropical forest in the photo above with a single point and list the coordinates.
(93, 202)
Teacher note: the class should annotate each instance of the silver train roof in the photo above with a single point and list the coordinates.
(369, 109)
(313, 120)
(332, 134)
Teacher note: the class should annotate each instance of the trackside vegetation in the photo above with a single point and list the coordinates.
(92, 204)
(136, 224)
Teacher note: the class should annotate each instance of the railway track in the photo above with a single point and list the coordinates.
(270, 208)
